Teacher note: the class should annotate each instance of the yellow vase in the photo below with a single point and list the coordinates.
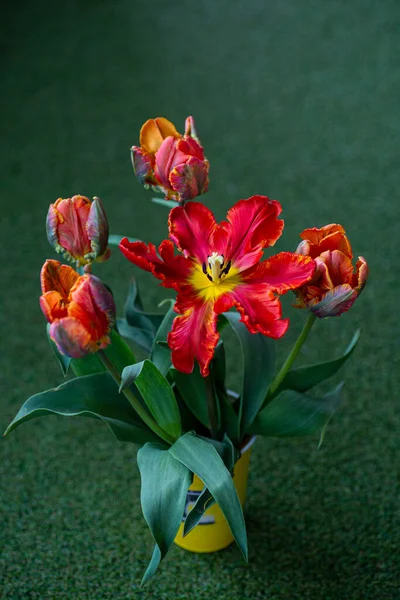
(213, 533)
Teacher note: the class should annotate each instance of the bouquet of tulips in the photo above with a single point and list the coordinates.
(175, 403)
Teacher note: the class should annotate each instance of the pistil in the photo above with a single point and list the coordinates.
(215, 262)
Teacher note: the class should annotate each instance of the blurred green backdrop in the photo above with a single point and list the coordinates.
(296, 100)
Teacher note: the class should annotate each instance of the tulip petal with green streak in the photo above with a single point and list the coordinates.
(78, 229)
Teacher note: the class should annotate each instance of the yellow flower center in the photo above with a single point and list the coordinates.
(214, 278)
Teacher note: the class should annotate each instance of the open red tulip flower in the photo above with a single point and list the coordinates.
(169, 162)
(219, 268)
(335, 285)
(78, 229)
(79, 307)
(161, 379)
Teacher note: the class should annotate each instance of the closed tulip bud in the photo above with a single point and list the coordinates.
(169, 162)
(79, 308)
(335, 285)
(78, 229)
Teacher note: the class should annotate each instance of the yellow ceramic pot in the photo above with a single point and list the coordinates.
(213, 533)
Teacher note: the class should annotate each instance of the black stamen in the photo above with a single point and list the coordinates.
(209, 277)
(227, 268)
(204, 268)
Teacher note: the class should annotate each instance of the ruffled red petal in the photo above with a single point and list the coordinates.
(193, 229)
(259, 308)
(193, 335)
(172, 270)
(283, 272)
(252, 225)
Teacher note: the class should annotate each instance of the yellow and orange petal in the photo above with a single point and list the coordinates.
(154, 132)
(318, 240)
(57, 277)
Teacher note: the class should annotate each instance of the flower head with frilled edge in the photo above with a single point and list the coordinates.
(79, 307)
(335, 286)
(169, 162)
(219, 268)
(78, 229)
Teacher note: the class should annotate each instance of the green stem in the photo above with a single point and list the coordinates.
(211, 407)
(134, 402)
(292, 356)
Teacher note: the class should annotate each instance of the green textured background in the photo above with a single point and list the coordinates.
(298, 100)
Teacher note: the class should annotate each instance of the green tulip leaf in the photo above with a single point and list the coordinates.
(93, 396)
(192, 388)
(165, 482)
(202, 458)
(142, 338)
(303, 379)
(294, 414)
(258, 370)
(229, 418)
(156, 393)
(137, 325)
(203, 503)
(161, 356)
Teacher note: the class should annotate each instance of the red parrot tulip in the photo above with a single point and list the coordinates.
(219, 268)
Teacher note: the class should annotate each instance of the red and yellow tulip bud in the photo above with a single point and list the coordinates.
(169, 162)
(78, 229)
(79, 308)
(335, 285)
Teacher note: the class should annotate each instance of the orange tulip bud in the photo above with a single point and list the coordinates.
(79, 307)
(169, 162)
(334, 286)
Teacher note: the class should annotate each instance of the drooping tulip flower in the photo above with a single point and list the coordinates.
(169, 162)
(78, 229)
(219, 268)
(335, 285)
(79, 307)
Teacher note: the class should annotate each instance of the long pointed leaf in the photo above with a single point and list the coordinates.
(138, 325)
(305, 378)
(161, 356)
(165, 482)
(192, 388)
(258, 370)
(294, 414)
(93, 396)
(157, 394)
(203, 459)
(203, 503)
